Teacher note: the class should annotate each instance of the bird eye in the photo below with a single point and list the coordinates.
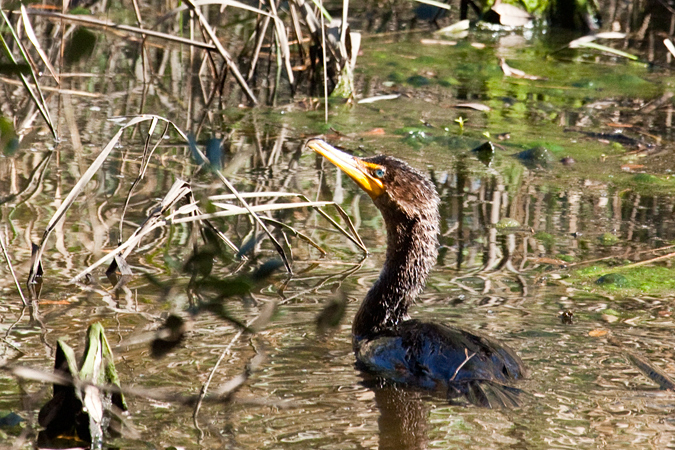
(379, 173)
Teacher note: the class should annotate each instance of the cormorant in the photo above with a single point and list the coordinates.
(387, 342)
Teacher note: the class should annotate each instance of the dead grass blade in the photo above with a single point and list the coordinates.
(84, 179)
(155, 220)
(352, 235)
(434, 3)
(180, 190)
(346, 218)
(232, 3)
(278, 23)
(296, 233)
(190, 213)
(54, 89)
(258, 46)
(283, 42)
(223, 238)
(11, 269)
(298, 32)
(343, 26)
(39, 98)
(255, 217)
(325, 64)
(90, 21)
(34, 40)
(130, 243)
(233, 210)
(144, 167)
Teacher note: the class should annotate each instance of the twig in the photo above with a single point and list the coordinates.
(610, 257)
(205, 386)
(53, 89)
(463, 286)
(466, 353)
(13, 324)
(648, 261)
(256, 323)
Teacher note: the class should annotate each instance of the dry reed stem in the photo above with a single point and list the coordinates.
(325, 66)
(224, 53)
(38, 99)
(79, 186)
(85, 20)
(352, 235)
(34, 40)
(11, 269)
(53, 89)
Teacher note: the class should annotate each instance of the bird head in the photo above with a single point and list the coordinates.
(391, 183)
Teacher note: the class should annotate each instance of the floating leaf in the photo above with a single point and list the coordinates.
(516, 73)
(485, 153)
(375, 132)
(378, 98)
(536, 157)
(476, 106)
(615, 279)
(507, 15)
(597, 332)
(456, 28)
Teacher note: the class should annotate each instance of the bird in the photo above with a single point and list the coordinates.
(387, 343)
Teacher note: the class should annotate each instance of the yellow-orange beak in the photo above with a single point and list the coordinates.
(356, 168)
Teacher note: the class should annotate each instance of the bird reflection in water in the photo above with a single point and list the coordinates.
(403, 418)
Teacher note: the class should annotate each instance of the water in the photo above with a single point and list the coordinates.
(514, 238)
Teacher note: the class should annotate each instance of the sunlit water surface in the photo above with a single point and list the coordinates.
(503, 278)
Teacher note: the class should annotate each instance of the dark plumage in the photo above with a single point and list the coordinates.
(389, 344)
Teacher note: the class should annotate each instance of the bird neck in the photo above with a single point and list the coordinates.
(411, 253)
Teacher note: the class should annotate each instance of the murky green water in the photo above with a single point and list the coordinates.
(508, 230)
